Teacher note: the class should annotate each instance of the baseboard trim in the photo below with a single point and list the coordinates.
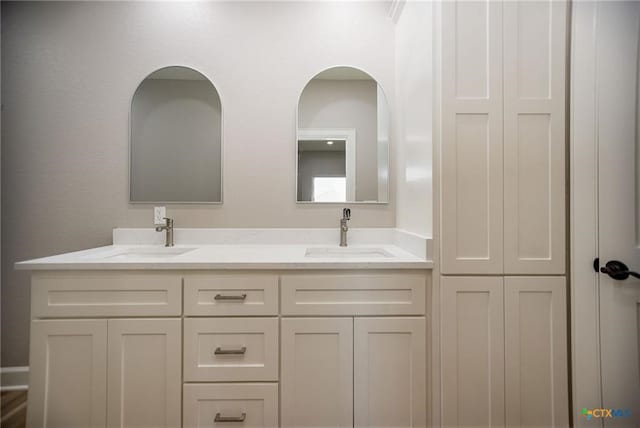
(14, 378)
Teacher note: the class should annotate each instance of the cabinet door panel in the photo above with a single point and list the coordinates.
(472, 351)
(536, 352)
(67, 385)
(144, 376)
(316, 377)
(390, 374)
(535, 36)
(471, 150)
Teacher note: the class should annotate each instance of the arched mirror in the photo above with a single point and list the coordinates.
(343, 139)
(176, 139)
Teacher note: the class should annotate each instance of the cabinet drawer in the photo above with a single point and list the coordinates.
(354, 294)
(247, 405)
(230, 349)
(222, 295)
(96, 294)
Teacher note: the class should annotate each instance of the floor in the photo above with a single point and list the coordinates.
(13, 409)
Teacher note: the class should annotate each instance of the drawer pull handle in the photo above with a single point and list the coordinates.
(240, 351)
(240, 297)
(220, 418)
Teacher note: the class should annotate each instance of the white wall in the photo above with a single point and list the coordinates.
(384, 144)
(412, 117)
(69, 72)
(347, 104)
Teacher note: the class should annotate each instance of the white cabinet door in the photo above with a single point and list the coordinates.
(502, 156)
(471, 162)
(535, 34)
(316, 376)
(68, 370)
(144, 376)
(472, 352)
(491, 372)
(390, 372)
(536, 352)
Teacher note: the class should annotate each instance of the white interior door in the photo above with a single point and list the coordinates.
(617, 45)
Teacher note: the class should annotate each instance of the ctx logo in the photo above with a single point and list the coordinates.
(606, 413)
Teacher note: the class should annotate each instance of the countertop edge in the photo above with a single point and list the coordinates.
(426, 265)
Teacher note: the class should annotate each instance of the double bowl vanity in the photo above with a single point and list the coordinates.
(252, 328)
(248, 334)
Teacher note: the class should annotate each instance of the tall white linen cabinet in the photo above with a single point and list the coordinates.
(503, 305)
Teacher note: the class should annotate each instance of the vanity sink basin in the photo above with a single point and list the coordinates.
(347, 253)
(147, 253)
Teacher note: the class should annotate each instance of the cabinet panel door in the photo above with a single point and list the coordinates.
(471, 160)
(244, 405)
(390, 375)
(144, 376)
(316, 377)
(536, 352)
(68, 370)
(535, 34)
(472, 351)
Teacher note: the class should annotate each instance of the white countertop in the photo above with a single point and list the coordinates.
(400, 254)
(224, 257)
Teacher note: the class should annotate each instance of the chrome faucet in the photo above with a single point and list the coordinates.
(346, 216)
(168, 227)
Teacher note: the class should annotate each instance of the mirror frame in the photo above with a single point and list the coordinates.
(343, 132)
(130, 145)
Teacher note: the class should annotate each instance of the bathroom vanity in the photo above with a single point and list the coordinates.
(225, 335)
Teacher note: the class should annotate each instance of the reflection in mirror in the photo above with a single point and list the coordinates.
(176, 139)
(343, 139)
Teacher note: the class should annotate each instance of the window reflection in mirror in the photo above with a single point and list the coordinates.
(176, 139)
(343, 139)
(322, 170)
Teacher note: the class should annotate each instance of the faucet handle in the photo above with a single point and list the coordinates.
(168, 220)
(346, 213)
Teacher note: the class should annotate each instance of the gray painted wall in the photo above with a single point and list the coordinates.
(69, 70)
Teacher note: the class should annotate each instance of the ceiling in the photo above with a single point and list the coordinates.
(321, 146)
